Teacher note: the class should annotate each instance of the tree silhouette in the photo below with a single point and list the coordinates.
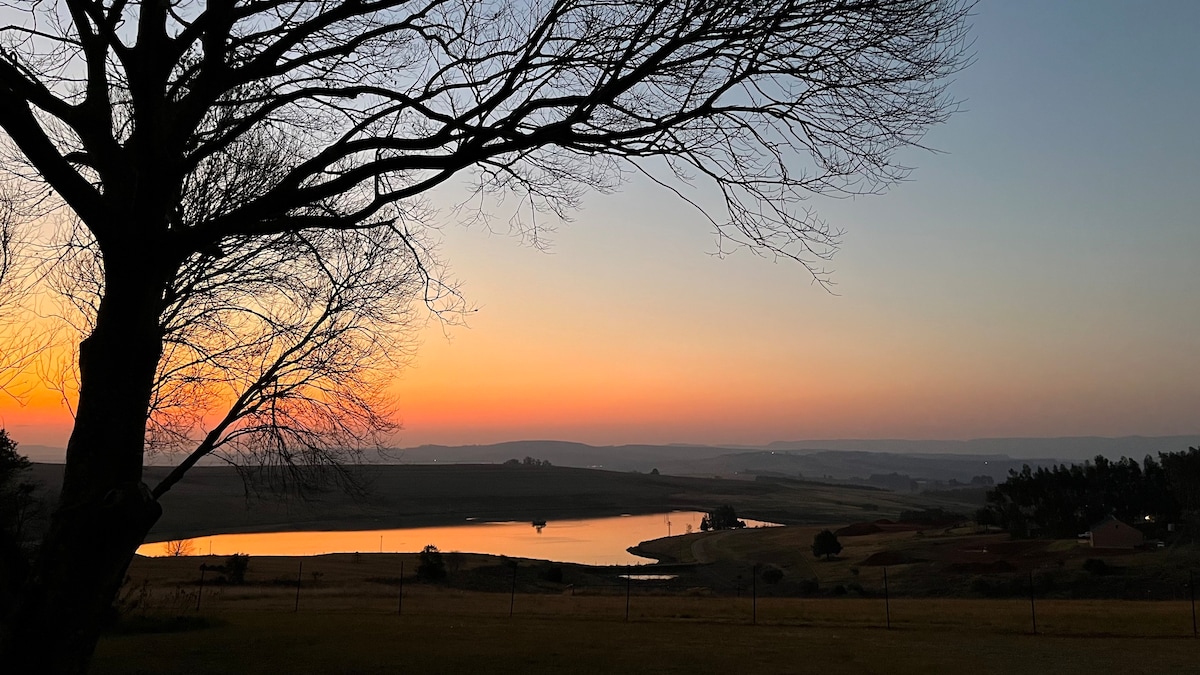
(194, 148)
(431, 566)
(177, 548)
(825, 543)
(723, 517)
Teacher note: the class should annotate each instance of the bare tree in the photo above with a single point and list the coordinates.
(21, 341)
(178, 548)
(119, 111)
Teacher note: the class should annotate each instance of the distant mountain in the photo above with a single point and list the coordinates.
(560, 453)
(894, 470)
(43, 454)
(1067, 447)
(837, 459)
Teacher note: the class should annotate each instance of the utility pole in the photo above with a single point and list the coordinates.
(1032, 606)
(887, 603)
(299, 577)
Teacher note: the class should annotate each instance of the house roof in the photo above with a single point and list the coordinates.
(1106, 521)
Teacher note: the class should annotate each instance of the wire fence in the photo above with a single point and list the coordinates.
(321, 585)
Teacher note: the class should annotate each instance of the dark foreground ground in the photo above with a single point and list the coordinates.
(240, 642)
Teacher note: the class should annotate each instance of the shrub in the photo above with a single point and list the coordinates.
(772, 575)
(430, 565)
(826, 543)
(232, 571)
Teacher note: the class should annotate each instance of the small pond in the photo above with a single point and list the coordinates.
(591, 541)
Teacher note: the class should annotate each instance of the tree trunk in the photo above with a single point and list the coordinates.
(104, 510)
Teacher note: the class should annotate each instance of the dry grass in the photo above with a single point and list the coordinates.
(347, 623)
(664, 636)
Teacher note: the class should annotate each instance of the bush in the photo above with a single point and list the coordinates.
(232, 571)
(809, 587)
(431, 567)
(1097, 566)
(839, 590)
(826, 543)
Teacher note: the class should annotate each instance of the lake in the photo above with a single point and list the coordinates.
(591, 541)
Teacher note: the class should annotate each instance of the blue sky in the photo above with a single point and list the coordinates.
(1037, 276)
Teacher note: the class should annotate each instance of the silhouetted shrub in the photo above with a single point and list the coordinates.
(431, 567)
(232, 571)
(826, 543)
(772, 575)
(1096, 566)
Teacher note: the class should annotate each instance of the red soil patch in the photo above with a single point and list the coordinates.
(858, 530)
(905, 527)
(1019, 547)
(883, 558)
(994, 567)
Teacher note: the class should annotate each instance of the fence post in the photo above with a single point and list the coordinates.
(200, 593)
(1192, 591)
(887, 602)
(1032, 606)
(628, 588)
(299, 576)
(400, 600)
(754, 595)
(512, 600)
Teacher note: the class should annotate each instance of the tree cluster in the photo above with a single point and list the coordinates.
(721, 518)
(1063, 501)
(19, 503)
(18, 500)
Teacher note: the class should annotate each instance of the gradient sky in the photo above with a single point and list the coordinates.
(1038, 277)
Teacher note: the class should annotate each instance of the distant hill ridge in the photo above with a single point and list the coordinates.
(838, 458)
(1065, 447)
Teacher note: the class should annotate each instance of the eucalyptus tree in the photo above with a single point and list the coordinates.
(233, 169)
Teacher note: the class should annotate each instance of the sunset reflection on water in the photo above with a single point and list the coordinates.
(593, 541)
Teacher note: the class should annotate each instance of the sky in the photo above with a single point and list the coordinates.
(1036, 276)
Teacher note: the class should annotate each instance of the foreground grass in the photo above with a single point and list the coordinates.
(260, 642)
(345, 621)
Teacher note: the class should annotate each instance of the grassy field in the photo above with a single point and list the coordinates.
(351, 614)
(958, 561)
(482, 586)
(668, 635)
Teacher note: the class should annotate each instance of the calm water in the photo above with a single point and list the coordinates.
(594, 541)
